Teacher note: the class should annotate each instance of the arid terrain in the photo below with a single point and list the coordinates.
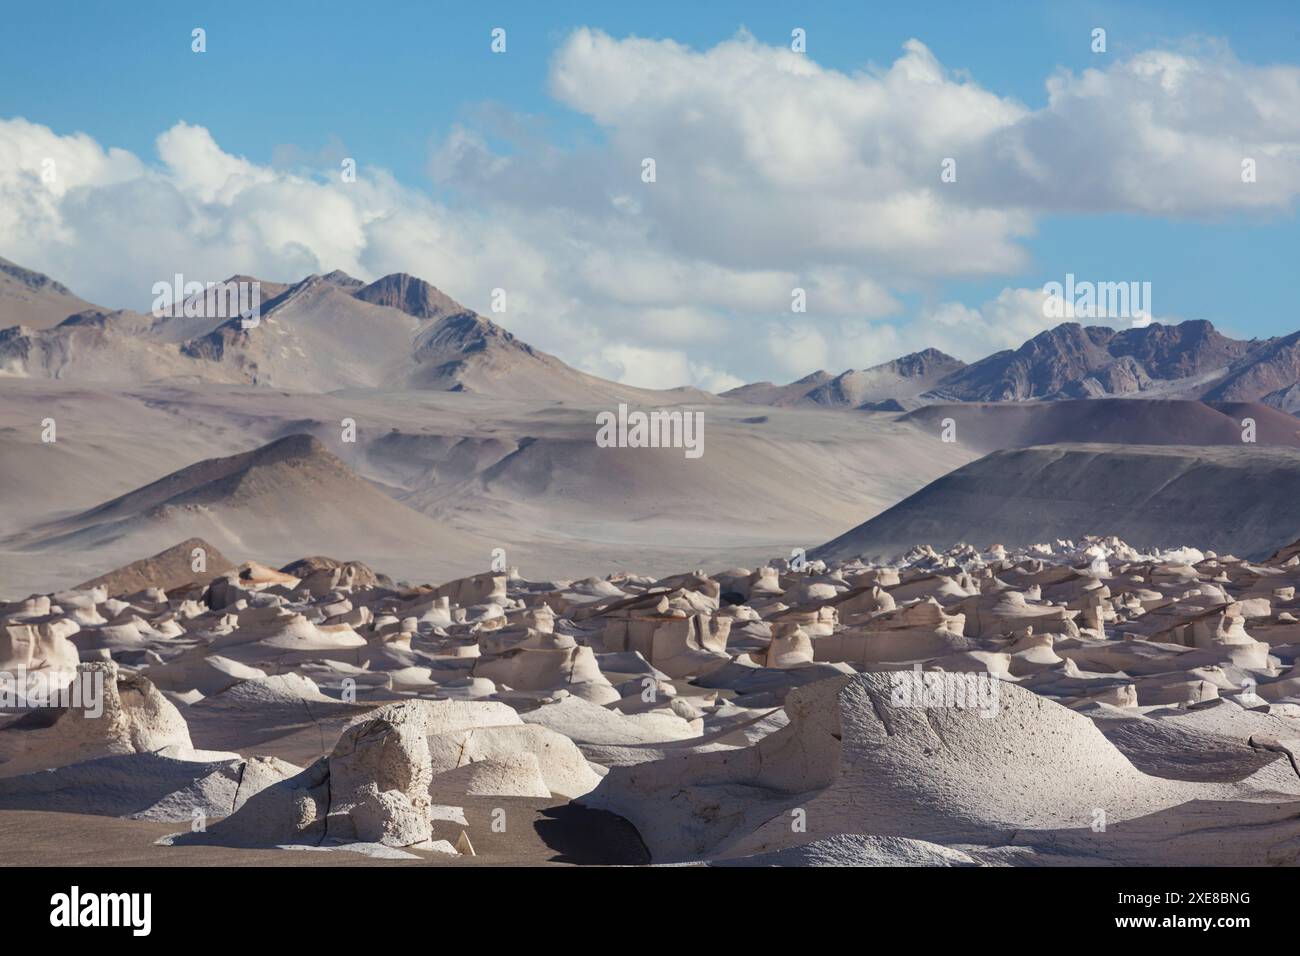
(361, 580)
(1066, 704)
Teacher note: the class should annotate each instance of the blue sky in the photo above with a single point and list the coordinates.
(301, 71)
(287, 82)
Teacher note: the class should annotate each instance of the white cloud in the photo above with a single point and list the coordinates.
(197, 166)
(773, 173)
(969, 333)
(1163, 132)
(1004, 322)
(658, 368)
(797, 348)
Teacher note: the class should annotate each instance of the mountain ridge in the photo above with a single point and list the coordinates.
(319, 334)
(251, 502)
(332, 331)
(903, 378)
(35, 300)
(1191, 360)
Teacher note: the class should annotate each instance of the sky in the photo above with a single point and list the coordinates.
(126, 157)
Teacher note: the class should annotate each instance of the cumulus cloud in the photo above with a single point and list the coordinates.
(1164, 132)
(657, 368)
(772, 174)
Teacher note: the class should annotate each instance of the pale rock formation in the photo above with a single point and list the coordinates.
(912, 632)
(546, 662)
(513, 774)
(476, 590)
(588, 724)
(36, 659)
(719, 706)
(373, 787)
(679, 636)
(145, 786)
(791, 646)
(563, 769)
(853, 761)
(110, 713)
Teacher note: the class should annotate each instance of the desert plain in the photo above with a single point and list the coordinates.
(359, 585)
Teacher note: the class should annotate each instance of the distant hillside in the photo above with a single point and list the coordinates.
(1238, 500)
(167, 569)
(989, 426)
(34, 300)
(1191, 360)
(899, 380)
(273, 502)
(1075, 361)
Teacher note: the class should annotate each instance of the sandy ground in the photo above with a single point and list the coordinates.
(538, 832)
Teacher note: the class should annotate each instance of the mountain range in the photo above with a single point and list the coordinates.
(1188, 360)
(1191, 360)
(333, 331)
(174, 426)
(882, 387)
(324, 333)
(35, 300)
